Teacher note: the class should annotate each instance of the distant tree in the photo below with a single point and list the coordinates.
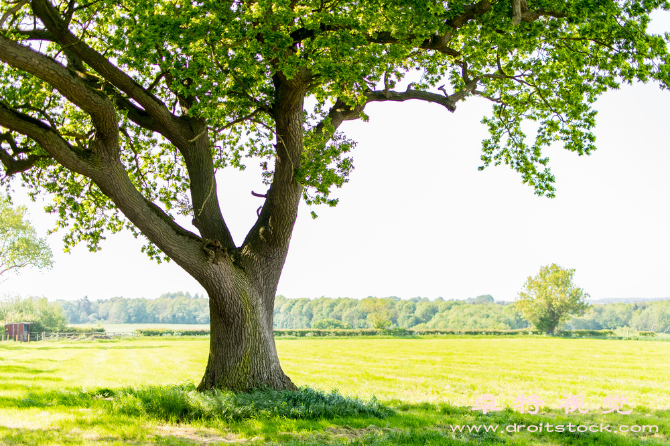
(353, 317)
(44, 315)
(484, 299)
(653, 318)
(426, 310)
(119, 311)
(379, 311)
(329, 324)
(550, 298)
(19, 245)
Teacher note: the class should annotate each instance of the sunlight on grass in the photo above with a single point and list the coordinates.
(65, 392)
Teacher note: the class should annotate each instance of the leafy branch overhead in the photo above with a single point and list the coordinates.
(134, 106)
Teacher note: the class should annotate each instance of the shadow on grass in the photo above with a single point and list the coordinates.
(128, 435)
(100, 346)
(13, 377)
(103, 430)
(89, 345)
(21, 369)
(311, 418)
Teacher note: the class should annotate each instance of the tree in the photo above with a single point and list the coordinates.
(484, 299)
(379, 311)
(19, 245)
(44, 315)
(126, 110)
(550, 298)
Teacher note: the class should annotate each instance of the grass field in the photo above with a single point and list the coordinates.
(130, 328)
(48, 390)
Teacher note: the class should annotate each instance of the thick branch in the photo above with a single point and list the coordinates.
(180, 131)
(341, 112)
(83, 162)
(150, 103)
(76, 90)
(380, 96)
(110, 176)
(14, 166)
(271, 234)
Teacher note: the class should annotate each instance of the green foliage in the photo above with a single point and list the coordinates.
(185, 403)
(549, 298)
(379, 311)
(583, 333)
(418, 313)
(399, 331)
(19, 245)
(329, 324)
(169, 308)
(168, 332)
(44, 315)
(651, 316)
(328, 314)
(546, 68)
(84, 330)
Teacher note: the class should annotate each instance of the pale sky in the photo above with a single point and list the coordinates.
(418, 219)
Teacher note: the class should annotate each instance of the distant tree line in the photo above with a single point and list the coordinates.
(169, 308)
(418, 312)
(643, 316)
(389, 312)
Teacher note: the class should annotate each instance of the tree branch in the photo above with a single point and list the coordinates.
(83, 162)
(180, 131)
(341, 112)
(75, 89)
(150, 103)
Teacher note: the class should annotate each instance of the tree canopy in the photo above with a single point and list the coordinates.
(550, 298)
(20, 247)
(129, 71)
(44, 315)
(125, 112)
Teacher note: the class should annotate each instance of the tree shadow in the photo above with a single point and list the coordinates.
(21, 369)
(407, 424)
(101, 347)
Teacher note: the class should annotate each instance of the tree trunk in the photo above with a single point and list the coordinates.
(242, 352)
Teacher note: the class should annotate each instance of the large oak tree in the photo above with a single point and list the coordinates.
(126, 110)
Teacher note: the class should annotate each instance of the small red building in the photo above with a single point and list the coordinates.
(19, 331)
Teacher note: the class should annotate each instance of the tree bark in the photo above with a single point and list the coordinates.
(242, 352)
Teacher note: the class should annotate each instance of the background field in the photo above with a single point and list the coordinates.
(424, 379)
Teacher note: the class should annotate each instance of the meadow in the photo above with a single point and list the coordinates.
(72, 393)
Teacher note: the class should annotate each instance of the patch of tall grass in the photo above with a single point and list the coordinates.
(185, 403)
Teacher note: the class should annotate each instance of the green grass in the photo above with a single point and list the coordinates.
(130, 328)
(140, 392)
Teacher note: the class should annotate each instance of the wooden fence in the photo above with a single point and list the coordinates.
(44, 336)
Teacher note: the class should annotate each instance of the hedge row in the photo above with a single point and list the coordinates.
(308, 332)
(170, 332)
(83, 330)
(410, 332)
